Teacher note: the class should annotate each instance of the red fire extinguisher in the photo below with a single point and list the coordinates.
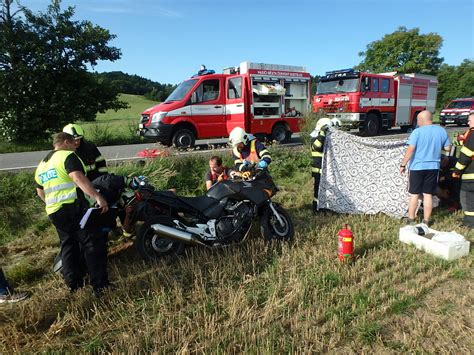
(345, 249)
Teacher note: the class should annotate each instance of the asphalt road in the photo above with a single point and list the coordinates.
(119, 153)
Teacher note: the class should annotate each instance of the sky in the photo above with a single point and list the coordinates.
(167, 40)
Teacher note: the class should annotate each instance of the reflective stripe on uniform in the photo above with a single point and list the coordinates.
(465, 150)
(99, 158)
(316, 154)
(468, 213)
(103, 169)
(59, 187)
(317, 144)
(60, 198)
(467, 176)
(264, 152)
(459, 166)
(90, 167)
(316, 170)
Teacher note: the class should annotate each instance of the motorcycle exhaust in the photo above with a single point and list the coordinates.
(176, 234)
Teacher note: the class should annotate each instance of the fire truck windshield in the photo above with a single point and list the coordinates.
(180, 92)
(337, 86)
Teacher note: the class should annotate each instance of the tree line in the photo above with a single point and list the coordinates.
(135, 85)
(46, 81)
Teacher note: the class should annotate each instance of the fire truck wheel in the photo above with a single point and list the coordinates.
(371, 125)
(280, 133)
(183, 138)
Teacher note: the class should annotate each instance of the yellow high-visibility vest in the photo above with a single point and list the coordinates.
(59, 188)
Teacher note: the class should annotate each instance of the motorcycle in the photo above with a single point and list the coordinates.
(222, 217)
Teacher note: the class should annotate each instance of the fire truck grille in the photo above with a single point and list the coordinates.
(145, 119)
(330, 108)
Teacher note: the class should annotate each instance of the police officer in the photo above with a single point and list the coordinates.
(464, 169)
(88, 152)
(61, 184)
(318, 138)
(248, 150)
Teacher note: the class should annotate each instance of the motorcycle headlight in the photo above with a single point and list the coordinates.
(442, 114)
(157, 117)
(464, 113)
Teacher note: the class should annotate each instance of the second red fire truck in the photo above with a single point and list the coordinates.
(375, 102)
(263, 99)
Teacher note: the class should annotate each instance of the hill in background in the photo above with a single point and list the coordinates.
(136, 85)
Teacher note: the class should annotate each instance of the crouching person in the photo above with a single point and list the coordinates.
(61, 184)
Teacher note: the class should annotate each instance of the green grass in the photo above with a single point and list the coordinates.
(249, 298)
(110, 128)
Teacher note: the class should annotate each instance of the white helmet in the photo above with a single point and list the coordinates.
(336, 122)
(238, 135)
(323, 122)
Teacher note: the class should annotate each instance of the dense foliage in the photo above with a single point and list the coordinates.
(44, 82)
(404, 50)
(455, 82)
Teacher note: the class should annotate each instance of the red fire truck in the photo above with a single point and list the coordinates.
(374, 102)
(263, 99)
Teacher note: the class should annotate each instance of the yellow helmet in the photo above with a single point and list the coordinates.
(74, 130)
(238, 135)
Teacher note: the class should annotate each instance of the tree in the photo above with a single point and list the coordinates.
(44, 83)
(405, 51)
(455, 81)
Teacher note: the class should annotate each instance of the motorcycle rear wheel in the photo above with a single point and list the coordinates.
(271, 229)
(151, 246)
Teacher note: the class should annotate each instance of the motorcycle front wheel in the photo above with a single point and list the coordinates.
(152, 246)
(272, 229)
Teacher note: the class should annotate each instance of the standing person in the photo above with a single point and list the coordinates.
(248, 150)
(464, 169)
(318, 137)
(61, 184)
(424, 152)
(6, 292)
(95, 163)
(217, 172)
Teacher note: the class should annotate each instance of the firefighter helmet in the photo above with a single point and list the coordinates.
(238, 135)
(74, 130)
(336, 122)
(323, 122)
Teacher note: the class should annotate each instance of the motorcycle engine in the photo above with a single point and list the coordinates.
(233, 226)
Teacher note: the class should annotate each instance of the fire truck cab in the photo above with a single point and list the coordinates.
(263, 99)
(375, 102)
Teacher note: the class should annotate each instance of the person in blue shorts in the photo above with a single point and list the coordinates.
(425, 146)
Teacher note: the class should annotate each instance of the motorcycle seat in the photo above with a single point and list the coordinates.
(200, 203)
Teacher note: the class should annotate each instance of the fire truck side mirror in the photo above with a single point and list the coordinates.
(194, 98)
(366, 85)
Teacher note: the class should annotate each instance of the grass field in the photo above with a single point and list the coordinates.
(114, 127)
(110, 128)
(252, 298)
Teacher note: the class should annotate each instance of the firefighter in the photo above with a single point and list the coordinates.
(464, 169)
(247, 150)
(318, 137)
(88, 152)
(61, 184)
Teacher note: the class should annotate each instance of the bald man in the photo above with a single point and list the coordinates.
(425, 147)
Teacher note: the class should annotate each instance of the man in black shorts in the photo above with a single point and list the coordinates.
(424, 150)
